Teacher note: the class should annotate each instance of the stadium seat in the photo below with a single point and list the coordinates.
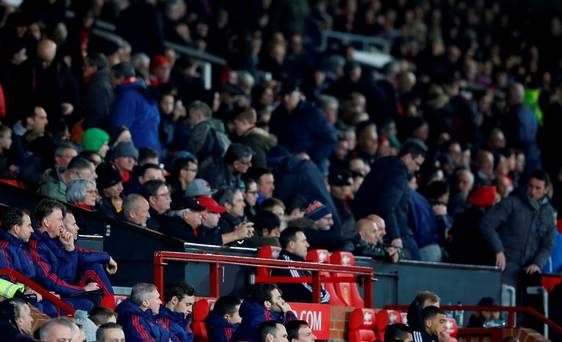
(267, 252)
(322, 256)
(361, 323)
(383, 319)
(201, 310)
(348, 292)
(549, 282)
(452, 327)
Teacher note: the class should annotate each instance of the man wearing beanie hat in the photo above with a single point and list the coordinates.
(320, 214)
(96, 140)
(340, 188)
(124, 156)
(110, 187)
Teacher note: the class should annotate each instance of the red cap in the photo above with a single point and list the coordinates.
(160, 60)
(210, 204)
(483, 197)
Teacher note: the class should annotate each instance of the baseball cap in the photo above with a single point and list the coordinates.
(210, 204)
(199, 187)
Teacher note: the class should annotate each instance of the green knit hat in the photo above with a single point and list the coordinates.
(94, 138)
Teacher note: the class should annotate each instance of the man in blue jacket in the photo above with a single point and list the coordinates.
(225, 318)
(264, 304)
(175, 316)
(133, 107)
(137, 315)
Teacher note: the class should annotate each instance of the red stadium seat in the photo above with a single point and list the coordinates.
(348, 292)
(385, 318)
(267, 252)
(322, 256)
(201, 310)
(549, 282)
(452, 327)
(361, 323)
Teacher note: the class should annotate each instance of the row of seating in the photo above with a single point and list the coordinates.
(344, 293)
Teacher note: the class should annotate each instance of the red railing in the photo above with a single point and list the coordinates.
(364, 274)
(13, 274)
(511, 310)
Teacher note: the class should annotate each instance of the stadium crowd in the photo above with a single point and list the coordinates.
(448, 148)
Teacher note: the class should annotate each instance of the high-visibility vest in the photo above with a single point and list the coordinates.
(9, 289)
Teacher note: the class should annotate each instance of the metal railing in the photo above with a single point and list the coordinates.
(15, 275)
(365, 274)
(382, 44)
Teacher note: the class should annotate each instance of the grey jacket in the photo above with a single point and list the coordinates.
(523, 233)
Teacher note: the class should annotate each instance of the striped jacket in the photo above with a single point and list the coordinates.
(138, 325)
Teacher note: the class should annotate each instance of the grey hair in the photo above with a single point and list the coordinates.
(76, 191)
(59, 151)
(202, 107)
(131, 203)
(245, 77)
(326, 100)
(45, 332)
(138, 59)
(142, 292)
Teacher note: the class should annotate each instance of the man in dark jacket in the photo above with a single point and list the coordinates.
(97, 95)
(136, 315)
(110, 188)
(520, 230)
(433, 320)
(256, 138)
(265, 303)
(294, 247)
(368, 240)
(228, 171)
(175, 316)
(303, 128)
(385, 192)
(225, 318)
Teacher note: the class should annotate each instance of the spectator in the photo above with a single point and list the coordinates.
(182, 173)
(481, 318)
(368, 240)
(124, 156)
(96, 140)
(110, 188)
(367, 142)
(233, 219)
(64, 153)
(272, 331)
(389, 176)
(519, 230)
(118, 134)
(15, 320)
(136, 210)
(433, 325)
(144, 173)
(398, 332)
(294, 247)
(268, 229)
(110, 332)
(97, 94)
(265, 301)
(340, 188)
(250, 197)
(258, 139)
(299, 331)
(148, 155)
(100, 316)
(463, 185)
(224, 319)
(134, 108)
(82, 193)
(55, 185)
(58, 329)
(484, 172)
(422, 300)
(265, 183)
(137, 315)
(6, 170)
(157, 193)
(175, 315)
(228, 172)
(183, 220)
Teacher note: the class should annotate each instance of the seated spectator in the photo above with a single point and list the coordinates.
(92, 157)
(398, 332)
(137, 315)
(175, 315)
(320, 215)
(148, 155)
(7, 170)
(59, 329)
(183, 220)
(82, 193)
(211, 233)
(277, 207)
(199, 187)
(265, 302)
(228, 171)
(118, 134)
(265, 182)
(224, 319)
(481, 318)
(294, 247)
(124, 156)
(233, 219)
(341, 191)
(157, 193)
(434, 325)
(100, 316)
(368, 240)
(54, 184)
(272, 331)
(258, 139)
(110, 189)
(143, 174)
(64, 153)
(110, 332)
(15, 320)
(268, 229)
(299, 330)
(136, 210)
(96, 140)
(183, 172)
(250, 197)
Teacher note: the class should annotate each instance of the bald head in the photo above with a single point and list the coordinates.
(368, 230)
(515, 94)
(46, 52)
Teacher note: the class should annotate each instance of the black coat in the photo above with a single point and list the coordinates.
(385, 192)
(97, 98)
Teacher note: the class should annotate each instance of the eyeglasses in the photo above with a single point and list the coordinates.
(167, 194)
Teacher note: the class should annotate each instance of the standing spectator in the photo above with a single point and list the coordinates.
(137, 315)
(340, 189)
(134, 108)
(303, 128)
(257, 138)
(520, 229)
(97, 95)
(385, 192)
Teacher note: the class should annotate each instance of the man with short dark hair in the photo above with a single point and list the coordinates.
(228, 171)
(97, 94)
(398, 332)
(520, 230)
(225, 318)
(299, 331)
(433, 320)
(158, 195)
(54, 184)
(385, 192)
(264, 303)
(272, 331)
(110, 332)
(294, 247)
(175, 315)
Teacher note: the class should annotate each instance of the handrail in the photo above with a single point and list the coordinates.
(511, 310)
(383, 43)
(366, 273)
(36, 287)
